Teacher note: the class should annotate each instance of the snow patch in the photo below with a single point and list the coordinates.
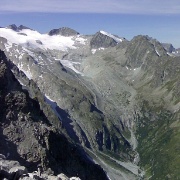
(21, 83)
(118, 40)
(101, 48)
(81, 40)
(133, 141)
(94, 50)
(169, 54)
(27, 73)
(53, 105)
(70, 64)
(8, 45)
(157, 52)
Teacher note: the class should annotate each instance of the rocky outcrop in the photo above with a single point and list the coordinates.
(12, 170)
(64, 31)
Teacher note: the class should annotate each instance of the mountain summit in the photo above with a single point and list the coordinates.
(64, 31)
(15, 28)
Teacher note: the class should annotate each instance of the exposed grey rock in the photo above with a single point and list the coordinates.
(21, 27)
(64, 31)
(13, 27)
(39, 42)
(169, 47)
(23, 34)
(2, 156)
(16, 28)
(5, 166)
(100, 40)
(17, 171)
(62, 177)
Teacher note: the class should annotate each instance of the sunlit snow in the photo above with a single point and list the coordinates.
(81, 40)
(53, 105)
(118, 40)
(157, 52)
(70, 64)
(33, 37)
(94, 50)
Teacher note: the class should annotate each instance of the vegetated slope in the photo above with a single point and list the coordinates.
(33, 135)
(151, 79)
(158, 130)
(118, 99)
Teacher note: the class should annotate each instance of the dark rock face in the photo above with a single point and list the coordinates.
(21, 27)
(64, 31)
(143, 50)
(33, 138)
(12, 170)
(169, 47)
(15, 28)
(39, 42)
(100, 40)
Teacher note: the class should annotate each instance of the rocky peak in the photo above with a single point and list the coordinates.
(13, 170)
(16, 28)
(64, 31)
(21, 27)
(13, 27)
(102, 40)
(142, 49)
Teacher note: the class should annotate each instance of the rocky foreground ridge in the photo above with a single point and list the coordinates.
(99, 98)
(12, 170)
(33, 136)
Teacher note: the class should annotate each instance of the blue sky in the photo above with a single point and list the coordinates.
(159, 19)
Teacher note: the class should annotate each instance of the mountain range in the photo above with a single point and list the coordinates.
(93, 106)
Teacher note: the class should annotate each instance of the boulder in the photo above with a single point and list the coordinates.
(17, 172)
(62, 177)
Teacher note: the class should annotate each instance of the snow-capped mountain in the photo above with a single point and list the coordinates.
(32, 39)
(112, 96)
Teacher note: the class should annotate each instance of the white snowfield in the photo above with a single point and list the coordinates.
(32, 39)
(94, 50)
(118, 40)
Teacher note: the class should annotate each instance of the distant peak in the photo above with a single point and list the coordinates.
(64, 31)
(15, 28)
(21, 27)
